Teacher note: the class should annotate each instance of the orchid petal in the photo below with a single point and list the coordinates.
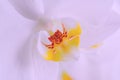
(110, 50)
(79, 9)
(49, 5)
(31, 9)
(78, 70)
(15, 34)
(116, 6)
(95, 34)
(45, 70)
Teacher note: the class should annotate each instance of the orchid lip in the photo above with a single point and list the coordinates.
(62, 43)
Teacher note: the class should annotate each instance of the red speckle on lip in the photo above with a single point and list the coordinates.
(57, 37)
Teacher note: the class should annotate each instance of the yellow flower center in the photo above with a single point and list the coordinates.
(62, 43)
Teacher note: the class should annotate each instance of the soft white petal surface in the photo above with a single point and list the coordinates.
(86, 68)
(79, 8)
(45, 70)
(116, 6)
(32, 9)
(110, 50)
(95, 33)
(42, 37)
(15, 58)
(109, 57)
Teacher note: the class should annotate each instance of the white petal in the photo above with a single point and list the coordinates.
(95, 33)
(14, 43)
(45, 70)
(81, 10)
(116, 6)
(42, 38)
(32, 9)
(86, 68)
(111, 48)
(49, 5)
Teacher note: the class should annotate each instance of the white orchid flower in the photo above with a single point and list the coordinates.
(70, 27)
